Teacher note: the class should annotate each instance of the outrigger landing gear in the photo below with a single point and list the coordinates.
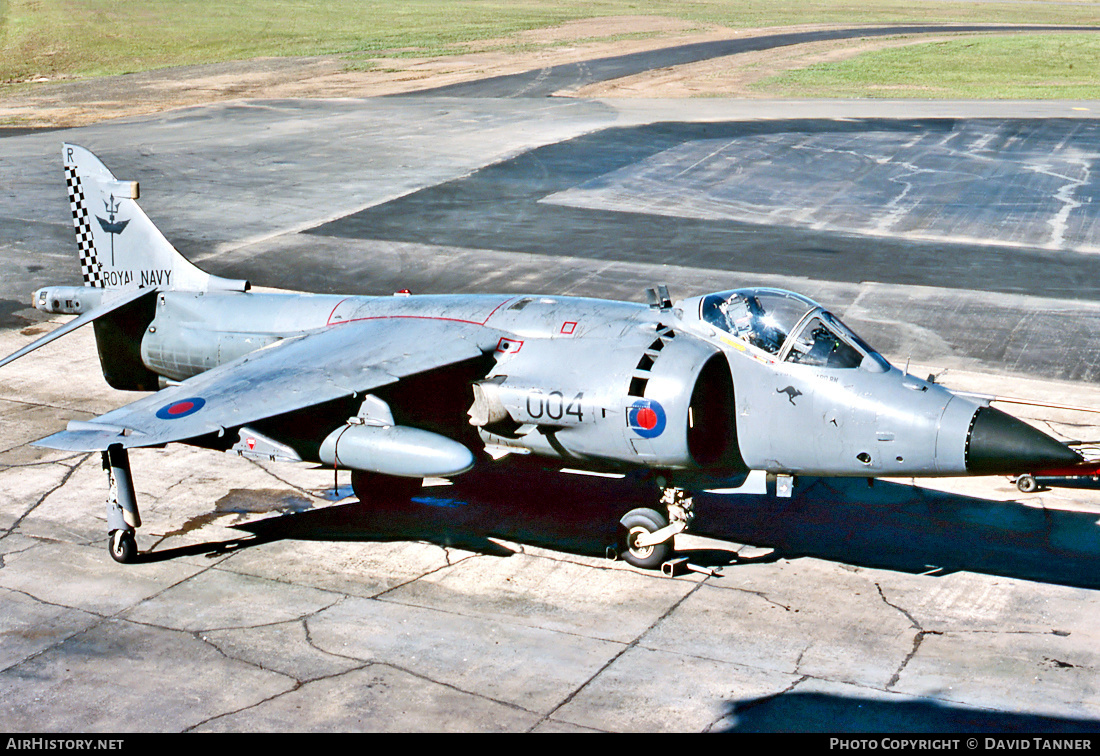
(647, 534)
(1027, 484)
(123, 546)
(122, 511)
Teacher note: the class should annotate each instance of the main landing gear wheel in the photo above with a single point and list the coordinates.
(372, 486)
(123, 546)
(638, 522)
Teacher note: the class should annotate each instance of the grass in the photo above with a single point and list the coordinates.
(65, 39)
(81, 38)
(1040, 66)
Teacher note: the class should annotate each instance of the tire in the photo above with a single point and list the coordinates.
(122, 546)
(1027, 484)
(374, 487)
(636, 522)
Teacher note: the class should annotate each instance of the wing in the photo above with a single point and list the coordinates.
(297, 372)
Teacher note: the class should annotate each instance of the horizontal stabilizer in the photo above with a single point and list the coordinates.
(112, 302)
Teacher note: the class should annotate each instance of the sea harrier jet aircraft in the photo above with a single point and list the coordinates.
(734, 388)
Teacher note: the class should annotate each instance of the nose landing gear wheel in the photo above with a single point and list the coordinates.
(636, 523)
(1027, 484)
(123, 546)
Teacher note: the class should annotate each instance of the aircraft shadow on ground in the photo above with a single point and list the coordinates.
(887, 525)
(822, 712)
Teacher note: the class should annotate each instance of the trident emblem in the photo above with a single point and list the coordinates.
(110, 226)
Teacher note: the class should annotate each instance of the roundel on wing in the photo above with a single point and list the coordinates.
(646, 418)
(181, 408)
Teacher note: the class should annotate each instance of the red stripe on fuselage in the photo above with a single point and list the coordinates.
(416, 317)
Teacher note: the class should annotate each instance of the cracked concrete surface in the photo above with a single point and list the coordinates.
(350, 619)
(339, 628)
(269, 604)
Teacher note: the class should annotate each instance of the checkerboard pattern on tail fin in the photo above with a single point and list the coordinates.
(90, 268)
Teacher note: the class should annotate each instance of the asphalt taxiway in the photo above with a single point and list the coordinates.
(570, 77)
(958, 236)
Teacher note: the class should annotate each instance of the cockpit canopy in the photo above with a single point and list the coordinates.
(788, 325)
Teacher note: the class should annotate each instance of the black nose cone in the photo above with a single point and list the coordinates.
(999, 444)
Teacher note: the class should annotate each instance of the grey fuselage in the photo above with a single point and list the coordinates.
(605, 384)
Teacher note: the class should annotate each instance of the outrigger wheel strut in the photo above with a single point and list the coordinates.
(647, 541)
(122, 511)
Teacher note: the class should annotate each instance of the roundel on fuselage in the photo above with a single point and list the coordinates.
(646, 418)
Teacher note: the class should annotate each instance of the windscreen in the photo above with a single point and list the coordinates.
(819, 344)
(790, 326)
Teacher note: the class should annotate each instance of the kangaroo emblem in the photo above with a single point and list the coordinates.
(791, 393)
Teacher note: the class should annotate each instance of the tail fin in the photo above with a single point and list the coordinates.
(119, 246)
(124, 260)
